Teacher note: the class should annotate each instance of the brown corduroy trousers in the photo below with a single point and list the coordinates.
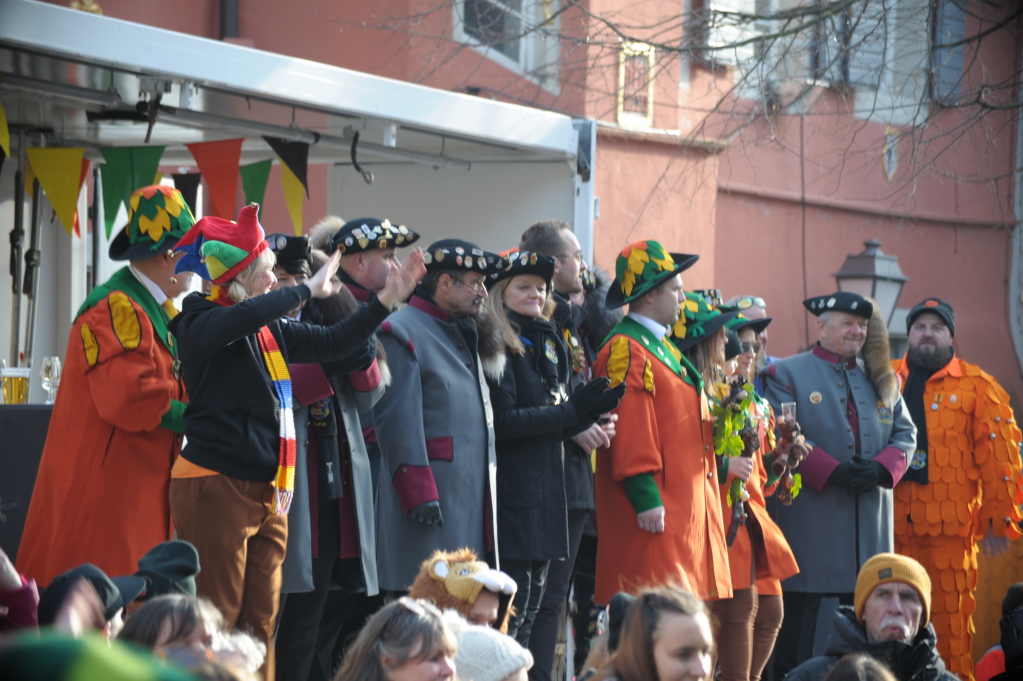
(241, 549)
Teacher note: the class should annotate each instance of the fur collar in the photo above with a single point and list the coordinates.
(877, 359)
(490, 347)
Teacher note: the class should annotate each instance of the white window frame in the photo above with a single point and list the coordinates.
(531, 48)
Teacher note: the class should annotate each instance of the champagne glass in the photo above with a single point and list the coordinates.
(51, 377)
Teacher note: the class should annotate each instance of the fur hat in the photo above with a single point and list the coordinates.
(891, 567)
(453, 580)
(488, 655)
(877, 358)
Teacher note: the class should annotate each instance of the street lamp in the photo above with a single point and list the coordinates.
(873, 274)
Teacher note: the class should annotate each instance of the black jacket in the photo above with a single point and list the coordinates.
(231, 421)
(532, 514)
(916, 661)
(578, 470)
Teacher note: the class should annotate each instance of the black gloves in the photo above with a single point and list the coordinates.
(859, 476)
(584, 399)
(427, 514)
(357, 361)
(608, 401)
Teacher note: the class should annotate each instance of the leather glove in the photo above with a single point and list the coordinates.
(427, 514)
(583, 399)
(879, 477)
(856, 476)
(608, 401)
(357, 361)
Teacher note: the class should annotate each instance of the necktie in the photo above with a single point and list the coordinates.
(172, 311)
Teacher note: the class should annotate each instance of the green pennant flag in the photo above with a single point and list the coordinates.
(254, 179)
(133, 168)
(113, 180)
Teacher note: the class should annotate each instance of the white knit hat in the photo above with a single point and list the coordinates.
(485, 654)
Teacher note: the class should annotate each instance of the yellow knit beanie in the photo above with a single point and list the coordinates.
(891, 567)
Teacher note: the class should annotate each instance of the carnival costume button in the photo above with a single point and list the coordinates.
(816, 398)
(934, 407)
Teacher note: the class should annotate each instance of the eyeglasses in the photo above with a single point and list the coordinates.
(750, 301)
(747, 346)
(478, 289)
(578, 257)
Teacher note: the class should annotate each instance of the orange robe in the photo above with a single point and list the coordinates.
(663, 429)
(101, 491)
(774, 559)
(973, 473)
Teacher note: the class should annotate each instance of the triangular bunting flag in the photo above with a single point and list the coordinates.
(295, 155)
(218, 163)
(86, 165)
(5, 132)
(188, 185)
(58, 171)
(293, 196)
(254, 179)
(113, 180)
(126, 169)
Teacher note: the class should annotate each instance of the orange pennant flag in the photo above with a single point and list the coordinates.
(218, 162)
(294, 196)
(58, 172)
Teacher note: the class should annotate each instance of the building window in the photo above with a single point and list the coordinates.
(636, 85)
(522, 35)
(946, 55)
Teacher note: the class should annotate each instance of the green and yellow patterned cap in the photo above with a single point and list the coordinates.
(157, 217)
(640, 268)
(697, 321)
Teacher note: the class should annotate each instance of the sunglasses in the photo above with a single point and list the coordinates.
(747, 346)
(750, 301)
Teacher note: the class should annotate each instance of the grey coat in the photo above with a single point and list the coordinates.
(832, 532)
(297, 570)
(435, 429)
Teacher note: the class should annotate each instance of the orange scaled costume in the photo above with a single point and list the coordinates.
(973, 471)
(101, 494)
(663, 430)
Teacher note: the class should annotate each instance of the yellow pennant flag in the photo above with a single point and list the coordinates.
(294, 196)
(58, 171)
(5, 132)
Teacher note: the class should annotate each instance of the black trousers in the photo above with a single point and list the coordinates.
(587, 612)
(299, 626)
(795, 640)
(544, 636)
(531, 578)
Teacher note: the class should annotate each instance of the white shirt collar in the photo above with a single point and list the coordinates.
(155, 290)
(659, 330)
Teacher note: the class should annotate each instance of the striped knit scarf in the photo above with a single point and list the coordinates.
(218, 295)
(284, 480)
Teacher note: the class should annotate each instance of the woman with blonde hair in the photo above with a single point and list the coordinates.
(407, 640)
(532, 418)
(232, 486)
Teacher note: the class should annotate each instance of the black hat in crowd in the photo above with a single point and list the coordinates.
(618, 608)
(934, 306)
(114, 592)
(293, 253)
(457, 254)
(740, 321)
(841, 301)
(366, 234)
(169, 568)
(733, 346)
(525, 262)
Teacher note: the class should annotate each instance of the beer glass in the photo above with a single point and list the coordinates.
(15, 384)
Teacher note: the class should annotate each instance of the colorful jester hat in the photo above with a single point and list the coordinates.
(217, 249)
(641, 267)
(698, 321)
(157, 217)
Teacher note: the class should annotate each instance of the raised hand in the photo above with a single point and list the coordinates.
(402, 280)
(320, 284)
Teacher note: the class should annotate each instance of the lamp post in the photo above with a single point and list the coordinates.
(873, 274)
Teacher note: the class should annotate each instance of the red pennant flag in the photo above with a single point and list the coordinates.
(86, 164)
(218, 163)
